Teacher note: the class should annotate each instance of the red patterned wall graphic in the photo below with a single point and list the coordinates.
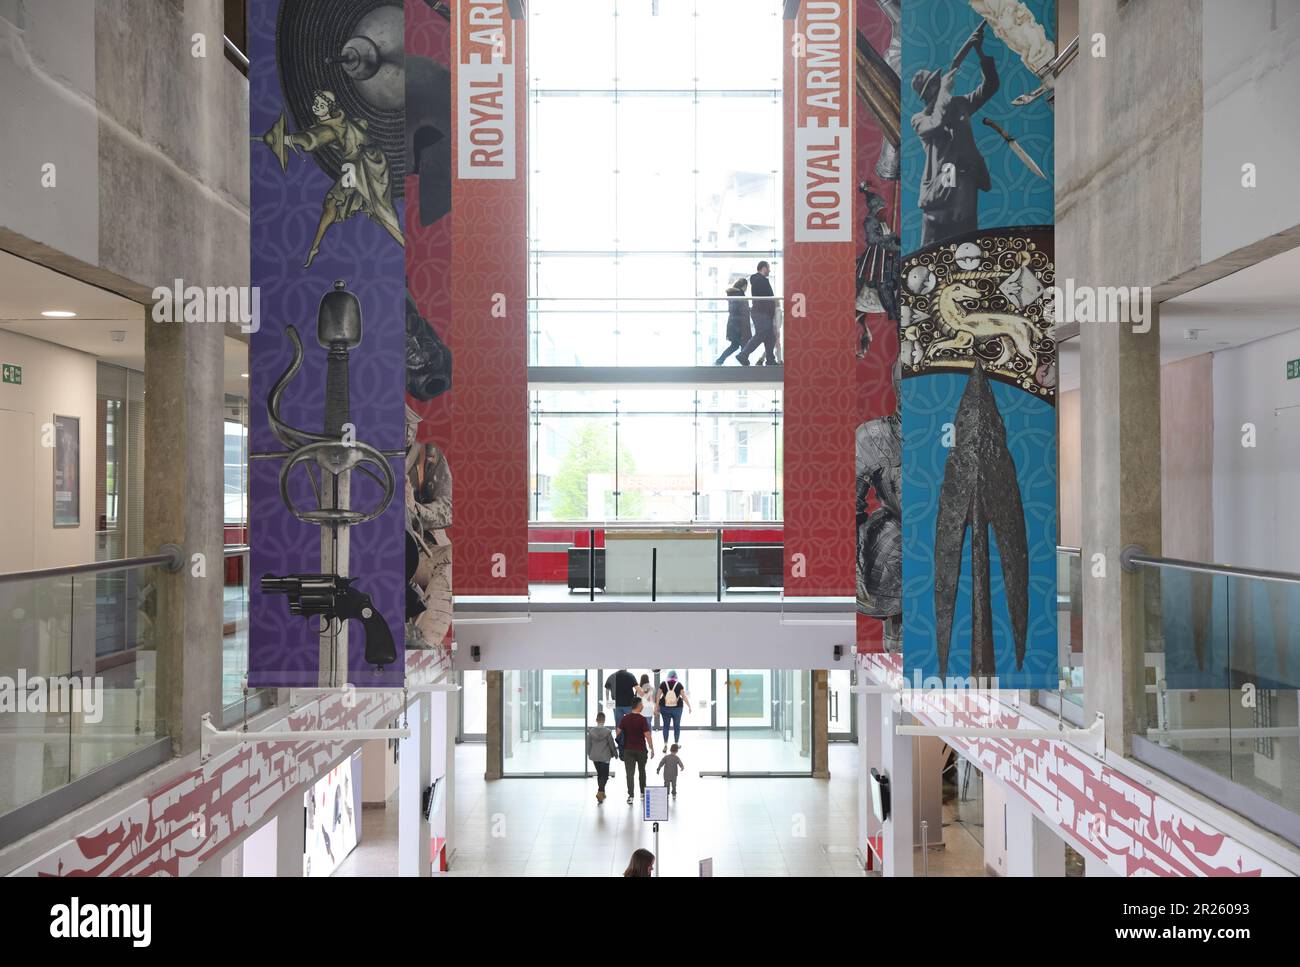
(876, 168)
(820, 379)
(1103, 812)
(195, 816)
(488, 449)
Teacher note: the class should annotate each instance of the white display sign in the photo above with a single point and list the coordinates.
(656, 804)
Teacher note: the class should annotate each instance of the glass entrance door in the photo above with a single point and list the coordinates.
(841, 713)
(544, 722)
(768, 714)
(739, 721)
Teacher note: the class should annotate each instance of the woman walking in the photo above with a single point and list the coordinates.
(641, 864)
(672, 698)
(738, 330)
(646, 692)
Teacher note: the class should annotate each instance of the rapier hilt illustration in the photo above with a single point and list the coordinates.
(334, 451)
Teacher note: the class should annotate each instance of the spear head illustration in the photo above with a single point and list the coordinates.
(980, 491)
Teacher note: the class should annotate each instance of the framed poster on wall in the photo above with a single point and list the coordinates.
(67, 471)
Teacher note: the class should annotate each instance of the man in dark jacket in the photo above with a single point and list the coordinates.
(763, 312)
(955, 172)
(619, 687)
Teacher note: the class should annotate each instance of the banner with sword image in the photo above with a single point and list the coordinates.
(327, 435)
(977, 353)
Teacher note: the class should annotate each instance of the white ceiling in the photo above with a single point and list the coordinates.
(1254, 303)
(26, 289)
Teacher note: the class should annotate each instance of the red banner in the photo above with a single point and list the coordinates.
(820, 372)
(488, 452)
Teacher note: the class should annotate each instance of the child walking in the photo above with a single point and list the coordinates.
(600, 749)
(670, 765)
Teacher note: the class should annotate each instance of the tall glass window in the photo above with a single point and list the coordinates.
(655, 455)
(655, 174)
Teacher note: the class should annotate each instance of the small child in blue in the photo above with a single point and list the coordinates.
(670, 765)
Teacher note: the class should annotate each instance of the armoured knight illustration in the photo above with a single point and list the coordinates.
(428, 549)
(880, 534)
(877, 269)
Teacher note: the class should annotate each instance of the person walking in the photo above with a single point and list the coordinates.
(738, 328)
(642, 863)
(600, 749)
(620, 686)
(645, 691)
(763, 312)
(637, 738)
(672, 699)
(670, 765)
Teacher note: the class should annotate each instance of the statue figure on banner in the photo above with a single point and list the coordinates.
(428, 549)
(955, 170)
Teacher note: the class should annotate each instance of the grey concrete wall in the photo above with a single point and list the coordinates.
(1251, 79)
(149, 142)
(173, 145)
(1128, 145)
(48, 116)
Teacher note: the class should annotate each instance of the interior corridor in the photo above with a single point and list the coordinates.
(748, 826)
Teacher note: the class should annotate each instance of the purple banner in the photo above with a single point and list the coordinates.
(327, 365)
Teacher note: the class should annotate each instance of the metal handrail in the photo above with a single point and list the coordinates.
(653, 525)
(1069, 551)
(171, 559)
(654, 298)
(235, 550)
(234, 51)
(1173, 563)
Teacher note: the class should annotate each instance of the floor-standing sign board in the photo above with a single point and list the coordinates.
(978, 391)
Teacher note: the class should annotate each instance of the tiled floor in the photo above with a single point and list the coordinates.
(752, 749)
(749, 827)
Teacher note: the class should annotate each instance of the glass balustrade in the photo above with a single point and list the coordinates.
(79, 670)
(670, 562)
(645, 331)
(1223, 673)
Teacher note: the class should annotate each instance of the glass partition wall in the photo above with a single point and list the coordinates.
(735, 722)
(654, 174)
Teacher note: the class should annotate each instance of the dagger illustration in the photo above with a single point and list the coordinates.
(1015, 146)
(980, 491)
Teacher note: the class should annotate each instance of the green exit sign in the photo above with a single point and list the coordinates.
(1293, 369)
(14, 374)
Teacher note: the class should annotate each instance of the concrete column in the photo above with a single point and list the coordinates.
(1032, 848)
(451, 725)
(899, 829)
(869, 733)
(927, 789)
(183, 450)
(1120, 407)
(290, 834)
(494, 725)
(416, 758)
(821, 766)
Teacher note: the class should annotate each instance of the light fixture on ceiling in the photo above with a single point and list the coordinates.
(243, 376)
(58, 314)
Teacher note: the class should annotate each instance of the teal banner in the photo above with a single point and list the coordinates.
(978, 389)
